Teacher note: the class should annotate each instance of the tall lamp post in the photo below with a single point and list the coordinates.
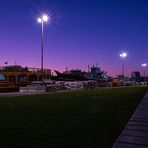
(123, 55)
(41, 20)
(144, 69)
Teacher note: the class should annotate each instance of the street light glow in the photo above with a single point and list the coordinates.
(144, 65)
(39, 20)
(45, 18)
(123, 55)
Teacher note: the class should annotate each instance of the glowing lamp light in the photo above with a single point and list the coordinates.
(45, 18)
(123, 55)
(144, 65)
(39, 20)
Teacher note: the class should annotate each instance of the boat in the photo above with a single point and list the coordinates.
(16, 75)
(94, 73)
(72, 75)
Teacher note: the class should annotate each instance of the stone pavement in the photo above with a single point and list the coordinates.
(135, 134)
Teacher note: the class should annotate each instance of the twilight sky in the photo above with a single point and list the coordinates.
(81, 33)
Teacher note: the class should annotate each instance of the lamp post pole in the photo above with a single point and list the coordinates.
(42, 53)
(122, 67)
(41, 20)
(123, 55)
(144, 69)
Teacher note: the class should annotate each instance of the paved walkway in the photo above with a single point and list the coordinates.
(135, 134)
(13, 94)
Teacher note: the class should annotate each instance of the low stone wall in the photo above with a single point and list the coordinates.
(60, 85)
(30, 88)
(77, 85)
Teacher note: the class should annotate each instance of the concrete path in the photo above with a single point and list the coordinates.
(135, 134)
(12, 94)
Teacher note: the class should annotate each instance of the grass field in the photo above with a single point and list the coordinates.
(79, 119)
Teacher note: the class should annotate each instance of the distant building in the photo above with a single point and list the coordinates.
(135, 75)
(120, 77)
(144, 79)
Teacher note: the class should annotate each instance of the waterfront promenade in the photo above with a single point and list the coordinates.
(135, 134)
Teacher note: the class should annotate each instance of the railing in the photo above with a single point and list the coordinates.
(38, 70)
(25, 69)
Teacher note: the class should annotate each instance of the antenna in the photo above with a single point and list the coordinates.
(88, 68)
(15, 63)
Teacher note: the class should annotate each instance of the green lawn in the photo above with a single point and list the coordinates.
(79, 119)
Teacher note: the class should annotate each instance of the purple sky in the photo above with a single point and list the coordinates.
(82, 33)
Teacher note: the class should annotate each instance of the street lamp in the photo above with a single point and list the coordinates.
(41, 20)
(144, 68)
(123, 55)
